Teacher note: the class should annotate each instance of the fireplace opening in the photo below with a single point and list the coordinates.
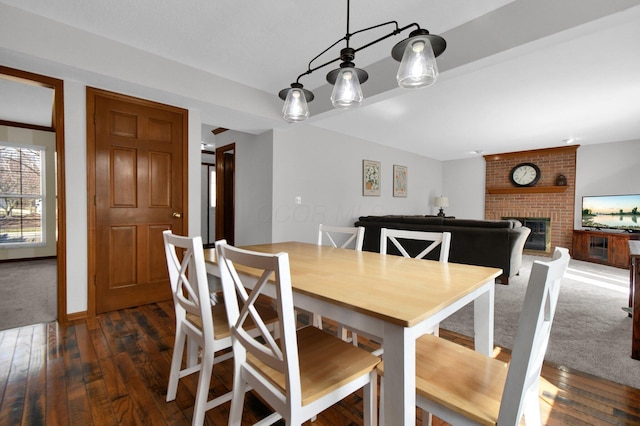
(540, 237)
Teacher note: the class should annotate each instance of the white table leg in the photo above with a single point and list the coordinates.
(483, 321)
(399, 376)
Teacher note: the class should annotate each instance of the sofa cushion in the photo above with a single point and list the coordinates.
(424, 220)
(509, 224)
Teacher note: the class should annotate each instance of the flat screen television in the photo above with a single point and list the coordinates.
(611, 212)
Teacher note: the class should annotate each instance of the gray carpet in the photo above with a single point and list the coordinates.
(28, 292)
(590, 332)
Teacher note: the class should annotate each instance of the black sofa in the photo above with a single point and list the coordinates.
(496, 243)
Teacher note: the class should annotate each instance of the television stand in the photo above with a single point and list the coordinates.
(607, 248)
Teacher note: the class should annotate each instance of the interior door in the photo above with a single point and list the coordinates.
(225, 193)
(139, 153)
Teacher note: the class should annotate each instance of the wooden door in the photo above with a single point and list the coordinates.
(225, 193)
(139, 192)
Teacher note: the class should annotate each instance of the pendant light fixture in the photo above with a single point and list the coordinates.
(418, 68)
(295, 104)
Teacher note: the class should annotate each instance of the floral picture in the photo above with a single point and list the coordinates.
(399, 181)
(370, 177)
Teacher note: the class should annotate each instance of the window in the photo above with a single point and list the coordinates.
(22, 197)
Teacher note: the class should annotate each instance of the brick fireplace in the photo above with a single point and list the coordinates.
(546, 202)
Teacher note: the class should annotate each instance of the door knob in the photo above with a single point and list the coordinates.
(176, 214)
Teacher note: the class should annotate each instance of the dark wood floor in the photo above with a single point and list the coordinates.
(113, 369)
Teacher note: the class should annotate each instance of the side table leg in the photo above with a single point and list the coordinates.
(635, 344)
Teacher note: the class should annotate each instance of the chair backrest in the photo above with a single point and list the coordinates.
(266, 269)
(188, 277)
(355, 235)
(442, 239)
(534, 329)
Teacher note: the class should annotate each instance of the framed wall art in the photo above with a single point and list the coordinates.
(370, 178)
(399, 181)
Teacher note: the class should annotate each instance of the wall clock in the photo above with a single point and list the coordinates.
(525, 174)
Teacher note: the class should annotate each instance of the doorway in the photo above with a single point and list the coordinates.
(208, 199)
(56, 106)
(225, 193)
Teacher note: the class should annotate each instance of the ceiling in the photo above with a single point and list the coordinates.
(516, 75)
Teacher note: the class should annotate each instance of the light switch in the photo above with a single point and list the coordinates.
(298, 199)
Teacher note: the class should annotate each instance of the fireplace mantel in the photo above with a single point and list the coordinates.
(528, 190)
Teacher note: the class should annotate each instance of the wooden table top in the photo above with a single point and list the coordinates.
(396, 289)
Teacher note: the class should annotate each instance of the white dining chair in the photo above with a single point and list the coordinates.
(430, 241)
(399, 236)
(303, 372)
(199, 323)
(462, 386)
(340, 237)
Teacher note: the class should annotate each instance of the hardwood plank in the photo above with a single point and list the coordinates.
(7, 349)
(35, 402)
(101, 407)
(90, 368)
(55, 345)
(77, 397)
(14, 396)
(57, 405)
(56, 385)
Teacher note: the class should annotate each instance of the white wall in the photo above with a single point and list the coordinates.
(194, 159)
(75, 146)
(606, 169)
(253, 185)
(464, 184)
(325, 170)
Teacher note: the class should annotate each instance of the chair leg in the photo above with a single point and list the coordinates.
(369, 400)
(202, 393)
(317, 321)
(427, 418)
(381, 405)
(237, 400)
(354, 339)
(176, 363)
(532, 407)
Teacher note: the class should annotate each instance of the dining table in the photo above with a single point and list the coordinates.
(393, 297)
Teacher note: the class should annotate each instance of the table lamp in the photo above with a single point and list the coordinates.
(441, 202)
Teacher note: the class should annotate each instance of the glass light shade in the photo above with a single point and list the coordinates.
(295, 106)
(418, 67)
(346, 91)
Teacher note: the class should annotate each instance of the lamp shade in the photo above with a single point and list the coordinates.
(295, 106)
(346, 91)
(418, 67)
(441, 201)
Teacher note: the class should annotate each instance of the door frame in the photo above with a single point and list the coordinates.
(92, 93)
(57, 125)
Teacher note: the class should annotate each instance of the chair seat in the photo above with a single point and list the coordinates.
(480, 380)
(326, 363)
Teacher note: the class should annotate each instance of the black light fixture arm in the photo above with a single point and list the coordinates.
(346, 38)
